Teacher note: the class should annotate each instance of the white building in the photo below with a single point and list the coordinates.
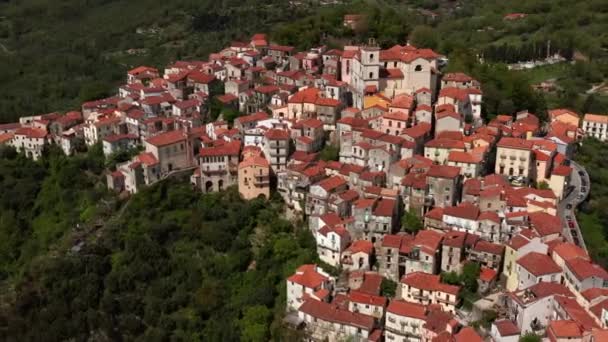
(404, 321)
(310, 280)
(534, 268)
(331, 242)
(596, 126)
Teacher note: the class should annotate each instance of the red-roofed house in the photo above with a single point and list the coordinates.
(517, 247)
(504, 331)
(581, 274)
(317, 199)
(427, 289)
(443, 184)
(471, 164)
(515, 159)
(439, 149)
(219, 167)
(564, 330)
(535, 267)
(357, 257)
(172, 149)
(375, 218)
(404, 320)
(31, 141)
(332, 240)
(304, 283)
(596, 125)
(333, 323)
(367, 304)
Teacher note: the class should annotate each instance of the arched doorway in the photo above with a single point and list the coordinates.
(208, 186)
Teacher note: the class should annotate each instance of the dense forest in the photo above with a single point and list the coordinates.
(166, 264)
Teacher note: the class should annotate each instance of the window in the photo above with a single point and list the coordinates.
(371, 57)
(418, 68)
(371, 75)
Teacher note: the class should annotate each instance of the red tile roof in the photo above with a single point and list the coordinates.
(147, 158)
(487, 274)
(489, 247)
(443, 171)
(567, 251)
(307, 276)
(456, 77)
(407, 309)
(576, 312)
(232, 148)
(361, 246)
(366, 298)
(538, 264)
(385, 207)
(277, 134)
(31, 132)
(252, 117)
(464, 157)
(467, 334)
(308, 95)
(418, 130)
(330, 313)
(167, 138)
(545, 224)
(464, 210)
(564, 329)
(331, 183)
(446, 143)
(506, 327)
(584, 269)
(515, 143)
(429, 282)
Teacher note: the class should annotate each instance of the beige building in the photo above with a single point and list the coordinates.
(171, 149)
(515, 159)
(254, 177)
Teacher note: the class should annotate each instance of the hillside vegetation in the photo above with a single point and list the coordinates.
(169, 264)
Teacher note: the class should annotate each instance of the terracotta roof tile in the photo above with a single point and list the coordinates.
(538, 264)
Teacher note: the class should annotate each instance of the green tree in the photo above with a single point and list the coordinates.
(388, 288)
(254, 324)
(424, 37)
(411, 222)
(330, 152)
(530, 337)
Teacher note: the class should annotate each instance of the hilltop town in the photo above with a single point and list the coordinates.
(426, 217)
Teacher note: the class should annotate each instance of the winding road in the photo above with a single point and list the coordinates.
(579, 181)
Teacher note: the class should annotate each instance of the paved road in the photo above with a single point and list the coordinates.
(579, 179)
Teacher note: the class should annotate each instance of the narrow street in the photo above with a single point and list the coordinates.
(579, 181)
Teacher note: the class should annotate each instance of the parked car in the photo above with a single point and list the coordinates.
(581, 173)
(570, 224)
(569, 206)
